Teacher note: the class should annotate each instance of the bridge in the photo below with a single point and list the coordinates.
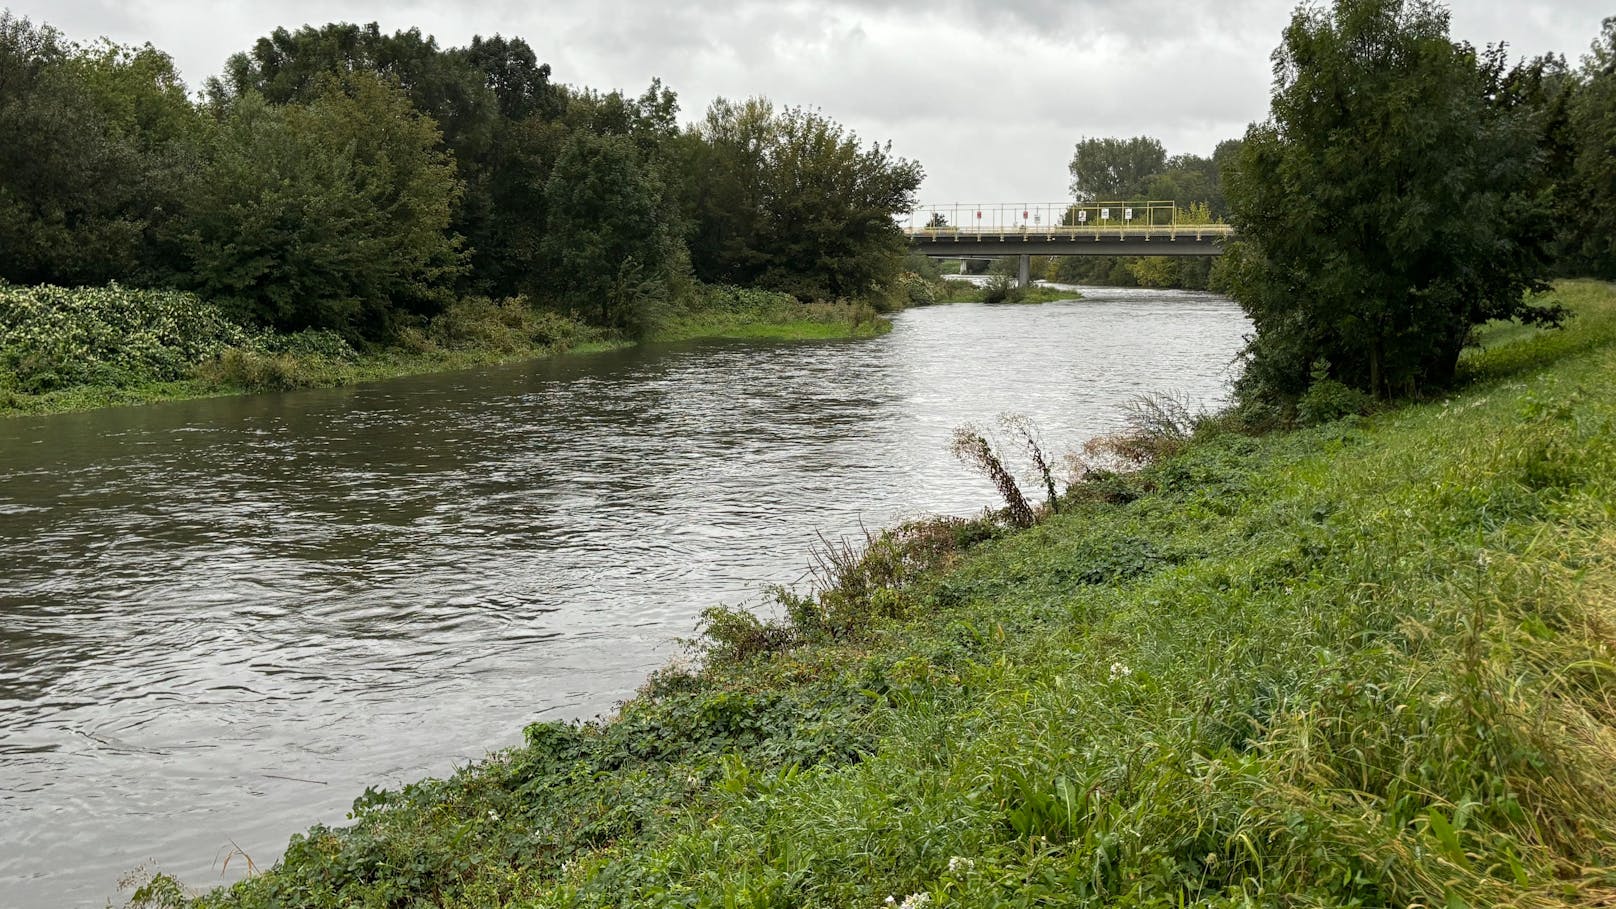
(1151, 228)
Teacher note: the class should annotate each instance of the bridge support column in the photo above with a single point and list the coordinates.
(1024, 271)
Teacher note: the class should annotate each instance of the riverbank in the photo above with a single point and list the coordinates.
(104, 347)
(1367, 663)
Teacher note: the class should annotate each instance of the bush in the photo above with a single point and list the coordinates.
(56, 337)
(507, 326)
(917, 290)
(1327, 399)
(310, 344)
(1002, 289)
(256, 371)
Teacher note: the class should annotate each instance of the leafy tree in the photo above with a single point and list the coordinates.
(1385, 208)
(96, 145)
(1589, 205)
(330, 214)
(610, 253)
(492, 100)
(791, 201)
(1109, 169)
(727, 160)
(502, 212)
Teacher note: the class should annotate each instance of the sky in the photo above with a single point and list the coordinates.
(989, 97)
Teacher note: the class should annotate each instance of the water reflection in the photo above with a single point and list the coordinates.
(220, 620)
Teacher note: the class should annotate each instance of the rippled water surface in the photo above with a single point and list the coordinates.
(221, 620)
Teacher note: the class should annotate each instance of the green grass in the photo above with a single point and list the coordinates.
(1371, 663)
(770, 317)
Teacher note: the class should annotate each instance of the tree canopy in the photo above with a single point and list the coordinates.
(342, 177)
(791, 201)
(1387, 206)
(1110, 168)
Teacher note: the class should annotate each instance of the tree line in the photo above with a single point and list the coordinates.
(339, 177)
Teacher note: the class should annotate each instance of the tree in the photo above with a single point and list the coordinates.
(492, 101)
(1590, 204)
(1385, 208)
(609, 252)
(330, 214)
(97, 143)
(1113, 169)
(791, 201)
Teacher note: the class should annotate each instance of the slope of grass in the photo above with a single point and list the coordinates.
(1367, 664)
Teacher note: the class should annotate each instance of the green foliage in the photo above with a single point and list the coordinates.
(1387, 207)
(1589, 202)
(1154, 271)
(1326, 399)
(492, 100)
(608, 247)
(97, 142)
(330, 214)
(55, 337)
(1105, 169)
(791, 201)
(1003, 289)
(341, 178)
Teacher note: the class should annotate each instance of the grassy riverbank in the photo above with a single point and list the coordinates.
(1369, 663)
(65, 350)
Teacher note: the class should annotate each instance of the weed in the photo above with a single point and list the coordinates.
(971, 446)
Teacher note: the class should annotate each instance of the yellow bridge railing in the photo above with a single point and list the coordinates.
(1056, 219)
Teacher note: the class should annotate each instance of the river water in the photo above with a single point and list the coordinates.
(221, 620)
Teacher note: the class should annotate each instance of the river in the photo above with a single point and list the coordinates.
(220, 620)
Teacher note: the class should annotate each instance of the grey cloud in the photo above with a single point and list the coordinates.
(988, 94)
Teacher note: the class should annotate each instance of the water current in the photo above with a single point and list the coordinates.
(221, 620)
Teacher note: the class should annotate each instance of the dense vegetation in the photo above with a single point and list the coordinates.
(1359, 665)
(346, 180)
(1369, 260)
(1405, 190)
(94, 347)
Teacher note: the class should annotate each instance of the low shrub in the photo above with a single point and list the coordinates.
(256, 371)
(57, 337)
(309, 344)
(1003, 289)
(1158, 426)
(505, 326)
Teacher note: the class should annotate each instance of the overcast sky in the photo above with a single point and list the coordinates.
(988, 96)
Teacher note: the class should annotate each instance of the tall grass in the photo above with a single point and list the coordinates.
(1370, 663)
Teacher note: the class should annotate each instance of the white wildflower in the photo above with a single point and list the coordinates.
(892, 901)
(960, 864)
(1120, 670)
(493, 815)
(915, 901)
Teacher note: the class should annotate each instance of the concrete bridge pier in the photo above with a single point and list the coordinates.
(1024, 271)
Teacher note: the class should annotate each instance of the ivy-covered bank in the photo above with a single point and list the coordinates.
(65, 349)
(1369, 663)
